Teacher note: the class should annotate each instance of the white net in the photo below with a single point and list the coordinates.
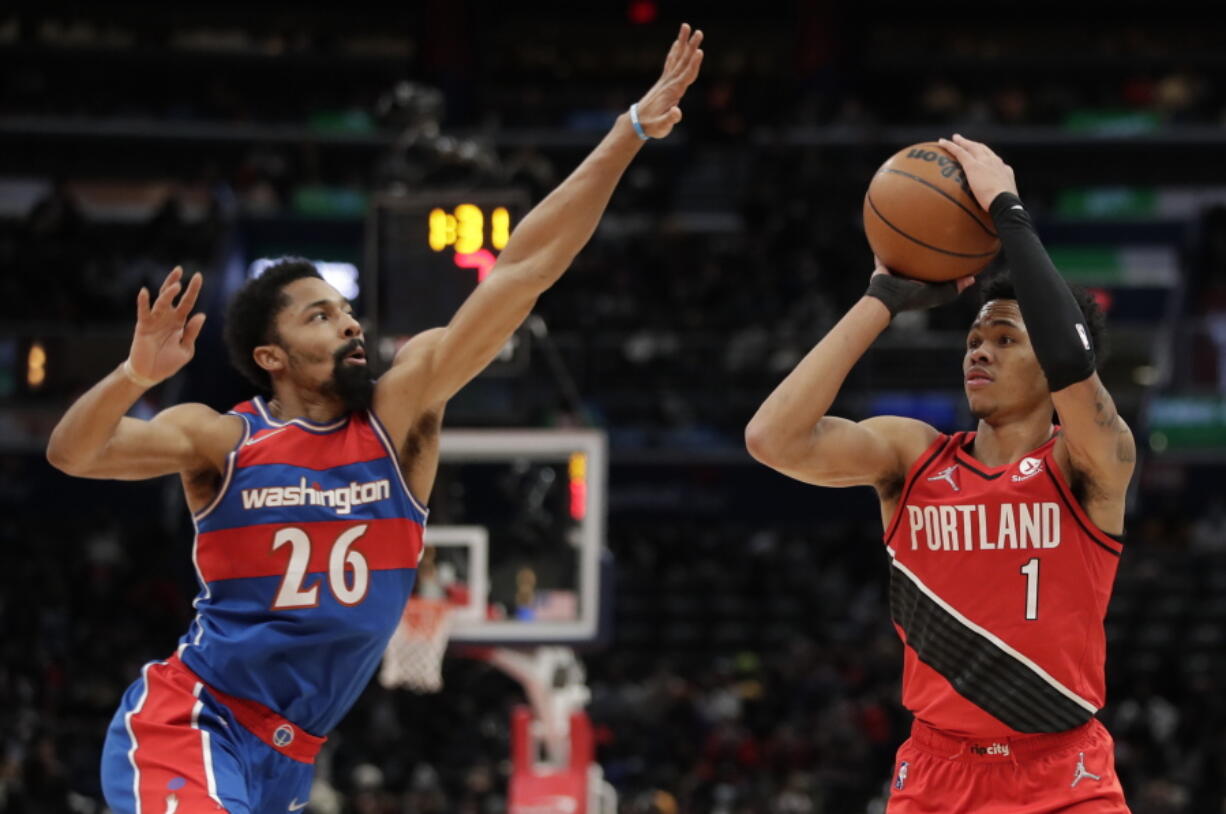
(414, 656)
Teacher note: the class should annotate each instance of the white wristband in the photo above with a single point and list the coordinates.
(135, 377)
(636, 124)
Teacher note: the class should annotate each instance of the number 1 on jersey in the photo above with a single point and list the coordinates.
(1031, 570)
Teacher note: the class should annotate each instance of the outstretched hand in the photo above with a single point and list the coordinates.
(986, 172)
(165, 338)
(659, 108)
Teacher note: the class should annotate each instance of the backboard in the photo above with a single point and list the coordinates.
(515, 539)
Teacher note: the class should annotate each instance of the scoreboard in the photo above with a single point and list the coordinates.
(426, 252)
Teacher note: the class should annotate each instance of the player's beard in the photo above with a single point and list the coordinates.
(354, 385)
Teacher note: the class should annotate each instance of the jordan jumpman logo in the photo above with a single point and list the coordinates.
(1080, 772)
(947, 475)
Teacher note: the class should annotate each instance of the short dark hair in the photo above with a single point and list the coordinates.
(1000, 287)
(251, 318)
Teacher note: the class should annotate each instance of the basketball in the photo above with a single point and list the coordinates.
(922, 220)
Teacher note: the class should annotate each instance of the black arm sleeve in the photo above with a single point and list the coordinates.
(1057, 328)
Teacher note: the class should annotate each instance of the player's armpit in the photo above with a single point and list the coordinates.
(403, 393)
(1098, 441)
(839, 452)
(183, 438)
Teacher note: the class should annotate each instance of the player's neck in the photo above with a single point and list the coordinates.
(314, 407)
(1001, 444)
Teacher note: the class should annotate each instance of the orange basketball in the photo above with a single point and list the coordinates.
(922, 220)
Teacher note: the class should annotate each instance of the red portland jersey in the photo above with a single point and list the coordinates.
(998, 587)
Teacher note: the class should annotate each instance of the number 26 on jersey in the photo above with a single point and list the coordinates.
(293, 593)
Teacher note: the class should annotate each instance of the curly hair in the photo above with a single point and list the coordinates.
(1000, 287)
(252, 314)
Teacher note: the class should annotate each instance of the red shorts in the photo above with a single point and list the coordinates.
(1070, 772)
(178, 745)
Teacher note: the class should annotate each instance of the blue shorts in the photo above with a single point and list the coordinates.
(175, 745)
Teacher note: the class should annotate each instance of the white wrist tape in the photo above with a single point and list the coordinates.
(136, 377)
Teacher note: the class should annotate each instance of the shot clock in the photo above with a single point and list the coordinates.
(426, 252)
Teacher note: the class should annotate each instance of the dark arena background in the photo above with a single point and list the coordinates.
(748, 663)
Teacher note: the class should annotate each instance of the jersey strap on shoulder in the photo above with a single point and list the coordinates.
(979, 665)
(1107, 542)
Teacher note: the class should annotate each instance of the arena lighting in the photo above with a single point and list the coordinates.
(642, 12)
(341, 276)
(577, 470)
(36, 366)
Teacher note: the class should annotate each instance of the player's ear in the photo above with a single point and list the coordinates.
(270, 357)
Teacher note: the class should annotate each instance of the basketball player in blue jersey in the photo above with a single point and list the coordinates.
(309, 504)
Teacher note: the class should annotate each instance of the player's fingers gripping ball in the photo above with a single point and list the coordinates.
(922, 220)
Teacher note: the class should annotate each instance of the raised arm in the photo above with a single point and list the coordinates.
(791, 431)
(94, 439)
(1099, 444)
(431, 369)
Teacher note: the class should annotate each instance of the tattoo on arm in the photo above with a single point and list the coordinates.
(1107, 416)
(1105, 413)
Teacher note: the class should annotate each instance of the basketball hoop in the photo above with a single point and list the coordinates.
(414, 656)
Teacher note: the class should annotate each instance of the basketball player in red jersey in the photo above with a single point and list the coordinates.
(308, 504)
(1003, 542)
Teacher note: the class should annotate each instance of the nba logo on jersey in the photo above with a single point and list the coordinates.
(902, 775)
(283, 736)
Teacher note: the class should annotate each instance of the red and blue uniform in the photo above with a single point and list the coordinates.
(306, 558)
